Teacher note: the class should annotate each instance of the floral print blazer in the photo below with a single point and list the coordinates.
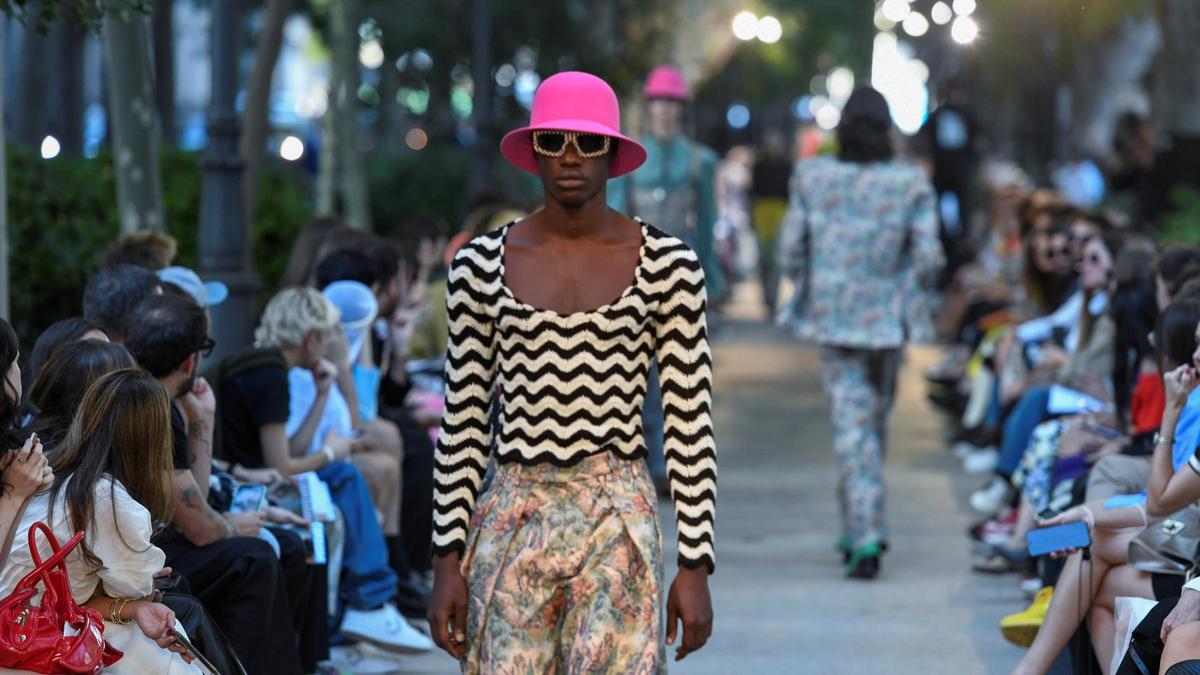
(860, 244)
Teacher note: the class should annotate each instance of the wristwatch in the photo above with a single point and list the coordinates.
(1159, 438)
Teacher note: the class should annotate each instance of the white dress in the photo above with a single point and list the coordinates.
(121, 539)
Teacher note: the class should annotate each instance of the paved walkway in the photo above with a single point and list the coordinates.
(781, 602)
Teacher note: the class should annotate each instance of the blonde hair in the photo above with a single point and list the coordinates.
(291, 315)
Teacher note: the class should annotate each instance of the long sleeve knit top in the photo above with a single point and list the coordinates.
(572, 385)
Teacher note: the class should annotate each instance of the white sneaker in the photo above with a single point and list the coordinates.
(992, 497)
(385, 628)
(981, 461)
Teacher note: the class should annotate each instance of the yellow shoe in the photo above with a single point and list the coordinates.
(1021, 628)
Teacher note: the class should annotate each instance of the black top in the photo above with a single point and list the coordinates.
(249, 400)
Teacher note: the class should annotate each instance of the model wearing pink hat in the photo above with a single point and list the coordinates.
(558, 566)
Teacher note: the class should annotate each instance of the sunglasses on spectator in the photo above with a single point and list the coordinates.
(1058, 253)
(1093, 259)
(554, 143)
(206, 348)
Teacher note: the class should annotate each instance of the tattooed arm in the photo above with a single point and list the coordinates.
(199, 449)
(193, 517)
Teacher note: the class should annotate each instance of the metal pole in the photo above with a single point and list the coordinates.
(223, 238)
(484, 152)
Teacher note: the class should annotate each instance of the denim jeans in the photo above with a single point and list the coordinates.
(367, 580)
(1029, 412)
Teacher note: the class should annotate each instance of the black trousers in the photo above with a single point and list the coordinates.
(416, 505)
(203, 632)
(241, 584)
(308, 594)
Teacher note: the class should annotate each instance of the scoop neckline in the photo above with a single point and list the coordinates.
(637, 278)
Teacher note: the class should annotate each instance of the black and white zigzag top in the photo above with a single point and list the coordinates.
(573, 385)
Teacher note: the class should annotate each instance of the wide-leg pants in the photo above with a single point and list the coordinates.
(861, 387)
(563, 568)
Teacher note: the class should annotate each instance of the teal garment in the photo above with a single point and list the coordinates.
(675, 190)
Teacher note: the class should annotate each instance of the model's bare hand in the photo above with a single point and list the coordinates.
(448, 606)
(689, 602)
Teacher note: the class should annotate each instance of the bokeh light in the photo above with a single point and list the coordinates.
(964, 30)
(416, 138)
(964, 7)
(895, 10)
(50, 147)
(941, 13)
(745, 26)
(370, 54)
(291, 148)
(738, 116)
(828, 117)
(915, 24)
(769, 30)
(840, 84)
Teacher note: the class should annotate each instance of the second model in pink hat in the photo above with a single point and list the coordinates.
(574, 101)
(666, 82)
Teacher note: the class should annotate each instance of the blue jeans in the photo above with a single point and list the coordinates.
(1029, 412)
(652, 424)
(367, 580)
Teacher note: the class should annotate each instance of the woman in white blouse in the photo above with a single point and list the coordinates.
(110, 480)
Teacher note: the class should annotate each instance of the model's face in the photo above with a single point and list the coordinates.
(571, 180)
(665, 116)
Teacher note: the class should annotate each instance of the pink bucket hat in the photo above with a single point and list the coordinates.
(666, 82)
(574, 101)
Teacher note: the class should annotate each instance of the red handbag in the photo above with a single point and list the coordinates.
(31, 636)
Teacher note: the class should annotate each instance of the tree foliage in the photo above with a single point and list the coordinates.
(42, 13)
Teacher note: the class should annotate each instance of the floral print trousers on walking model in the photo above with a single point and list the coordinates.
(563, 569)
(861, 386)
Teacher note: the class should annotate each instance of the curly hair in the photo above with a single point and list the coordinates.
(291, 315)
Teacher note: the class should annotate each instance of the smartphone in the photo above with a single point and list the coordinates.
(1058, 538)
(249, 499)
(1104, 431)
(193, 652)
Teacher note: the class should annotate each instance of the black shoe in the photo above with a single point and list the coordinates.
(867, 568)
(949, 401)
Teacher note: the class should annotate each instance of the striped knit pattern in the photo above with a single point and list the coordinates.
(573, 385)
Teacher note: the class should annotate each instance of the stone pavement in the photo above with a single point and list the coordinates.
(782, 604)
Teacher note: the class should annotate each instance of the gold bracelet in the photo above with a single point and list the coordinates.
(112, 611)
(119, 605)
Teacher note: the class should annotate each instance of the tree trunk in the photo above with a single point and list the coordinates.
(71, 85)
(352, 171)
(483, 154)
(1181, 25)
(164, 67)
(256, 116)
(34, 71)
(4, 288)
(134, 119)
(327, 164)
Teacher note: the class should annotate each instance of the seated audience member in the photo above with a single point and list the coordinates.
(111, 483)
(55, 395)
(253, 401)
(152, 250)
(1107, 575)
(229, 567)
(23, 467)
(113, 293)
(58, 334)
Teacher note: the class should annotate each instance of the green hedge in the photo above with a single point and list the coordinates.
(62, 215)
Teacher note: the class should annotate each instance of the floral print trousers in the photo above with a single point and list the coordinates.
(861, 386)
(563, 568)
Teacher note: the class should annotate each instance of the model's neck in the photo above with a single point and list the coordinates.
(574, 222)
